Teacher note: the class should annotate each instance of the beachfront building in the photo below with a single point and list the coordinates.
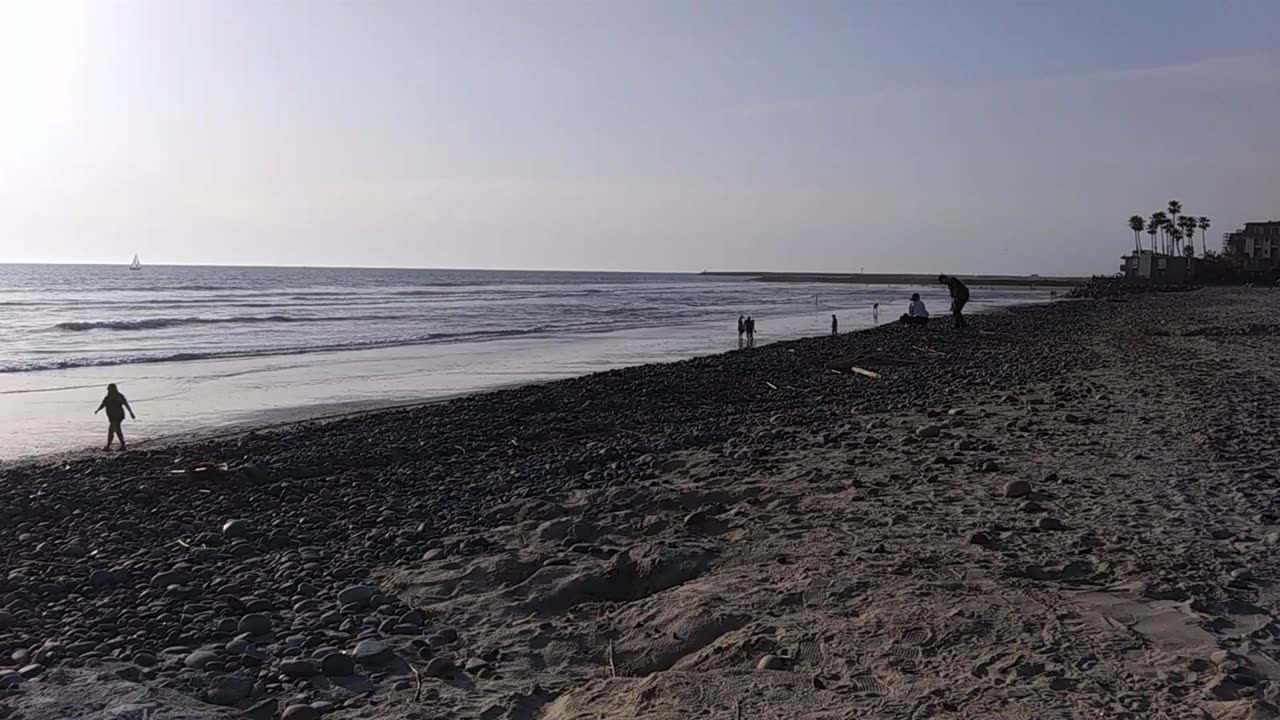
(1257, 245)
(1158, 267)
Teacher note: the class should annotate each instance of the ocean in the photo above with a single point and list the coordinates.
(203, 347)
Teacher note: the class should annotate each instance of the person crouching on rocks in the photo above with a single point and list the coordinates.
(917, 313)
(115, 404)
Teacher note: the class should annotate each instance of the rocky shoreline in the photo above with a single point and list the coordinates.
(1076, 498)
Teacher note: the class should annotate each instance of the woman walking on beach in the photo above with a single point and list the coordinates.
(115, 404)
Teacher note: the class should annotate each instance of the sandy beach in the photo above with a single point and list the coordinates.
(1066, 512)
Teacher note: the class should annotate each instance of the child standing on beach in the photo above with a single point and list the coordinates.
(115, 404)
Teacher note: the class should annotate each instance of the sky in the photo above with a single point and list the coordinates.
(1010, 136)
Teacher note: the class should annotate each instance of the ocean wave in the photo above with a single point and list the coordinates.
(157, 323)
(427, 339)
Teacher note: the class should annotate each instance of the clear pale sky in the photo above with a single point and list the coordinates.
(897, 135)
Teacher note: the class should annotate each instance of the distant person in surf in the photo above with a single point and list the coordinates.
(835, 325)
(750, 326)
(917, 313)
(742, 325)
(115, 404)
(875, 312)
(959, 296)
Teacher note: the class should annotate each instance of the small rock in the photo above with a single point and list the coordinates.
(198, 659)
(228, 691)
(6, 619)
(1062, 684)
(338, 664)
(372, 652)
(928, 431)
(979, 537)
(1222, 534)
(439, 667)
(163, 580)
(129, 673)
(101, 578)
(299, 668)
(254, 624)
(442, 638)
(1017, 489)
(1050, 523)
(300, 712)
(1031, 506)
(265, 710)
(10, 679)
(475, 665)
(29, 671)
(358, 595)
(773, 662)
(232, 529)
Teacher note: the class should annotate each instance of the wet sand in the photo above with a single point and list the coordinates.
(1068, 511)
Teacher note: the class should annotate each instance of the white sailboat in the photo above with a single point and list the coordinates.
(135, 265)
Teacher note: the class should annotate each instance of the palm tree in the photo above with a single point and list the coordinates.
(1136, 223)
(1159, 220)
(1175, 208)
(1152, 230)
(1203, 224)
(1188, 227)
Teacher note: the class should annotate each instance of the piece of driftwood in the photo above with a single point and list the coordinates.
(864, 371)
(868, 360)
(771, 385)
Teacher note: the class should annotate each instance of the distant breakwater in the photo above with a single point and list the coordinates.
(900, 279)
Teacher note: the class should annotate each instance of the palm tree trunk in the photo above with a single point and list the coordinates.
(1204, 244)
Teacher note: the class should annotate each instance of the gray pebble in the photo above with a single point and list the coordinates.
(199, 659)
(299, 668)
(773, 662)
(439, 667)
(358, 595)
(372, 652)
(300, 712)
(101, 578)
(254, 624)
(232, 529)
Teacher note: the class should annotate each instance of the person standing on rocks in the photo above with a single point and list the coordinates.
(835, 325)
(115, 404)
(959, 296)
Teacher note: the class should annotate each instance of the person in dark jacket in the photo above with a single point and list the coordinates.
(959, 296)
(835, 325)
(115, 405)
(742, 325)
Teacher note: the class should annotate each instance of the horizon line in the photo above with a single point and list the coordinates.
(704, 272)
